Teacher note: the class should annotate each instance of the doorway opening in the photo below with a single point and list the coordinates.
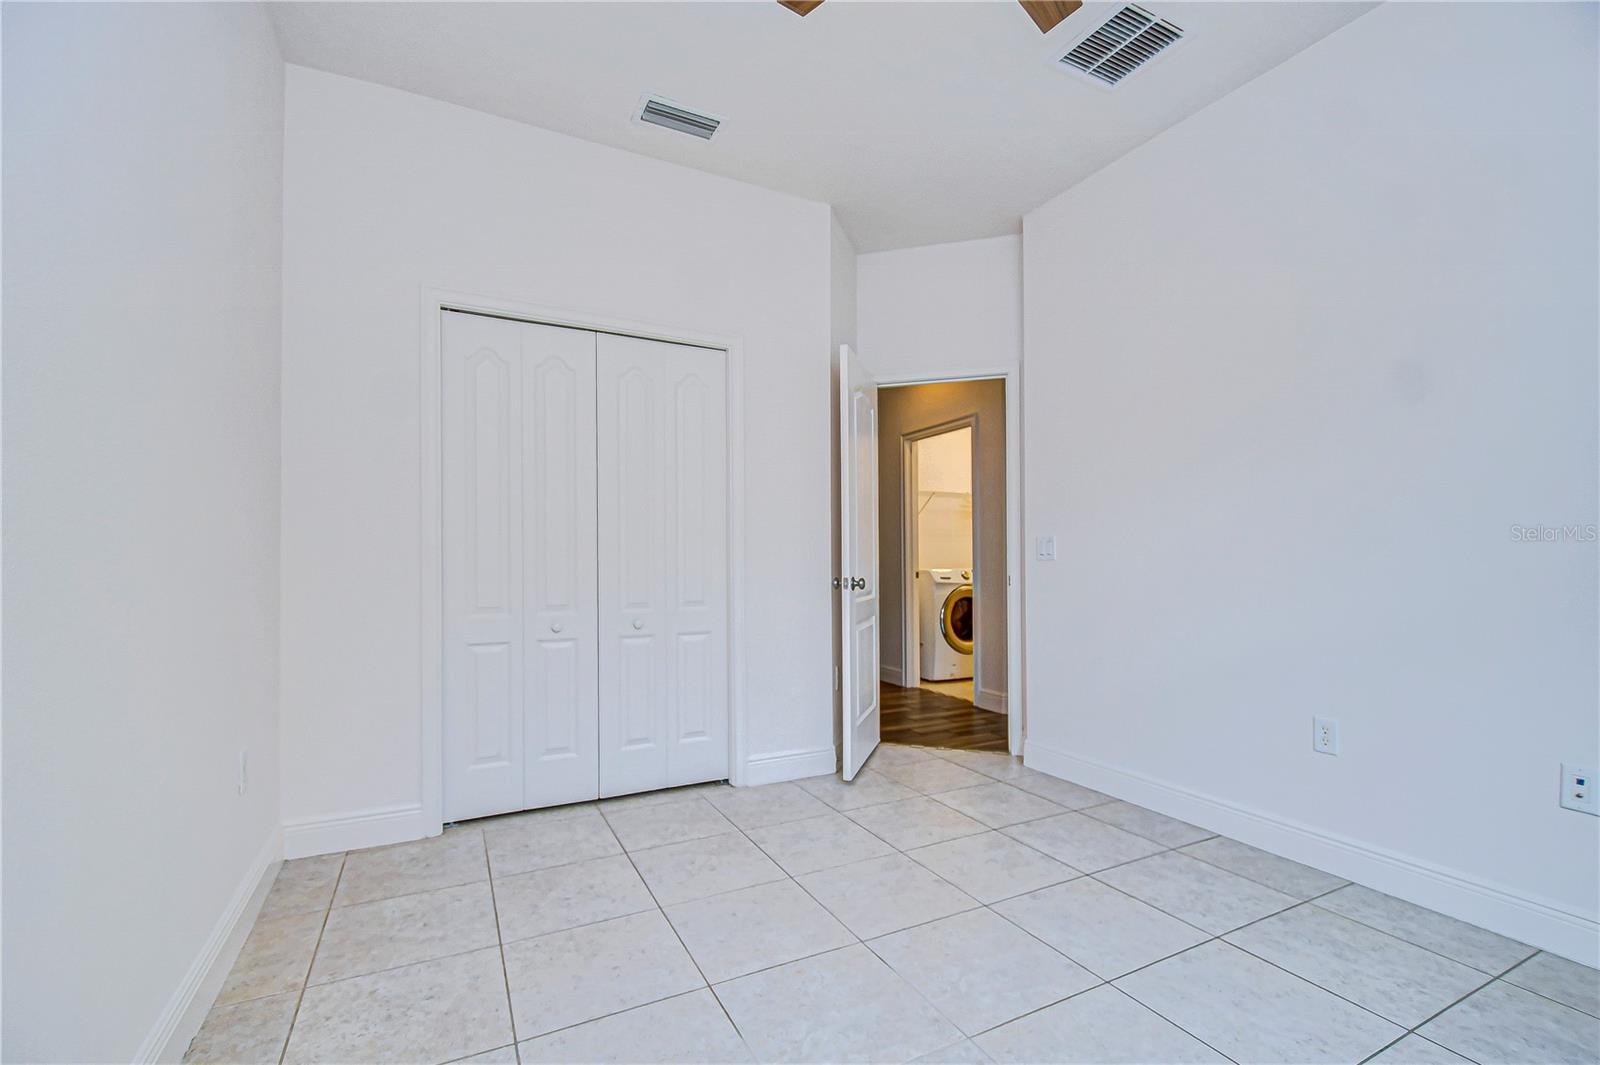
(942, 545)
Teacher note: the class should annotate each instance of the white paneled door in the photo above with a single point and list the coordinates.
(585, 565)
(663, 564)
(858, 540)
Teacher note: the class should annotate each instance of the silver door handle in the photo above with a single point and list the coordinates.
(858, 583)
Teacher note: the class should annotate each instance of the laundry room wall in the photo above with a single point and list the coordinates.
(910, 410)
(388, 192)
(944, 500)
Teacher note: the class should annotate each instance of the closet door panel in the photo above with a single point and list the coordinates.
(631, 466)
(483, 726)
(663, 564)
(561, 742)
(520, 657)
(697, 569)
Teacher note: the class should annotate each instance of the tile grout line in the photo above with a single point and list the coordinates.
(305, 981)
(1003, 917)
(1307, 980)
(1100, 982)
(1181, 849)
(990, 908)
(1213, 937)
(500, 945)
(678, 936)
(1539, 994)
(1170, 1021)
(858, 940)
(405, 965)
(1103, 981)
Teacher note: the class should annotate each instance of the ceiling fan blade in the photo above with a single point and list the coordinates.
(1046, 14)
(801, 7)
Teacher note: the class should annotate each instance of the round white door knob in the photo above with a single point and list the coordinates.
(555, 626)
(638, 623)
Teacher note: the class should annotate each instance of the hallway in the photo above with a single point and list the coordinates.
(923, 717)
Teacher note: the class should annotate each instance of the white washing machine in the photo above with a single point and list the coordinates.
(944, 603)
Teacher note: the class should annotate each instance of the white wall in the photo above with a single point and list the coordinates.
(944, 500)
(143, 170)
(944, 462)
(1295, 368)
(385, 193)
(842, 285)
(941, 310)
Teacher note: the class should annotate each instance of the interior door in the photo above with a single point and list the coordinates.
(520, 665)
(663, 536)
(858, 557)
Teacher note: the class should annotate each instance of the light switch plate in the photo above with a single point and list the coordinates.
(1578, 790)
(1045, 549)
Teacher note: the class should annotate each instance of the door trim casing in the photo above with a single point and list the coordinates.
(434, 301)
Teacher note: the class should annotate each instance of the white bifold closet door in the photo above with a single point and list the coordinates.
(663, 565)
(585, 565)
(521, 644)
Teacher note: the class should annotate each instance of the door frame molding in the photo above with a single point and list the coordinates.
(1016, 694)
(434, 301)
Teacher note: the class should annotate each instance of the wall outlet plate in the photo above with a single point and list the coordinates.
(1324, 735)
(1578, 790)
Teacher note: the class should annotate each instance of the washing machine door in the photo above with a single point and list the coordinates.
(955, 619)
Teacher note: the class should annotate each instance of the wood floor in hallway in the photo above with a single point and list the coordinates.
(932, 719)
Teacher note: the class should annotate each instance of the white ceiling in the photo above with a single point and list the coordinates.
(921, 122)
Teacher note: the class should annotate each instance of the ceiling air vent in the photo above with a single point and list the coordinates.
(658, 112)
(1127, 41)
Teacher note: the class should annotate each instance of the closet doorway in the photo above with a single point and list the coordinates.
(584, 564)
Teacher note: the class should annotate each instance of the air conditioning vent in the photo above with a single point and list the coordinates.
(1124, 43)
(658, 112)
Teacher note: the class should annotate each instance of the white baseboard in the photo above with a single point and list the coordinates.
(191, 1001)
(891, 675)
(790, 765)
(989, 699)
(1530, 920)
(353, 831)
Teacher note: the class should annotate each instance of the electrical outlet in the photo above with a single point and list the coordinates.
(1045, 549)
(1324, 735)
(1578, 790)
(244, 771)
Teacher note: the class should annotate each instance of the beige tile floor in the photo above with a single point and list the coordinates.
(948, 906)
